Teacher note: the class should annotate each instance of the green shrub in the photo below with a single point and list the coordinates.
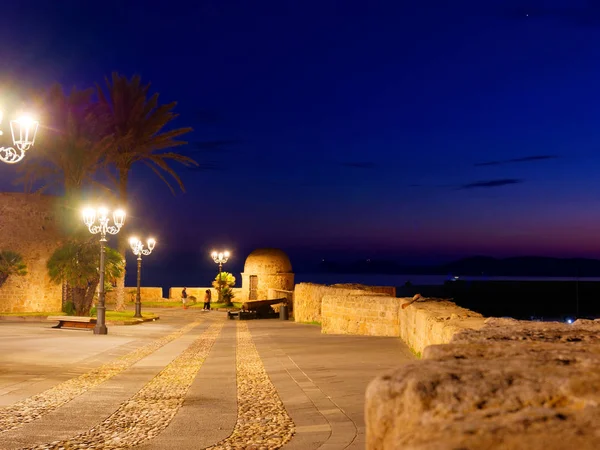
(11, 263)
(76, 263)
(69, 309)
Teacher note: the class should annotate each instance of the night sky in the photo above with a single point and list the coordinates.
(416, 131)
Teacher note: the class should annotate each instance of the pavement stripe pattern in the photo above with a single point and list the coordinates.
(149, 411)
(41, 404)
(263, 423)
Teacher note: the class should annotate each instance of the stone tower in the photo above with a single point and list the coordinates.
(266, 268)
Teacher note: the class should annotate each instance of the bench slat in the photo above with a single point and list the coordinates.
(73, 319)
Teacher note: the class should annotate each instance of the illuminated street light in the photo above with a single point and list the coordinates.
(23, 131)
(138, 249)
(220, 258)
(89, 218)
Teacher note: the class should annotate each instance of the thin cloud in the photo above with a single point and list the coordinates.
(516, 160)
(359, 164)
(490, 183)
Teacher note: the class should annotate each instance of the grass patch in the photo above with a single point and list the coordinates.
(237, 305)
(417, 354)
(122, 316)
(167, 305)
(314, 322)
(32, 314)
(113, 316)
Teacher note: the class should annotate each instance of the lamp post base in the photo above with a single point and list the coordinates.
(100, 329)
(138, 311)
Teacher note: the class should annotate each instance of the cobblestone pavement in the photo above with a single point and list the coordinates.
(39, 405)
(263, 423)
(148, 412)
(295, 388)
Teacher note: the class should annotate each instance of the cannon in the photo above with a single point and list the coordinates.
(257, 309)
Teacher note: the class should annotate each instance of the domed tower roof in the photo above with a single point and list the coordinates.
(267, 260)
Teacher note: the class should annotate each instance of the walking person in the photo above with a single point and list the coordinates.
(207, 298)
(184, 297)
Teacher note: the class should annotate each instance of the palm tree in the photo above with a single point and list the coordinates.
(71, 149)
(76, 264)
(137, 124)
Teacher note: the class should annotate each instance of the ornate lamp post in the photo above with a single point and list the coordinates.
(23, 133)
(220, 258)
(138, 249)
(89, 218)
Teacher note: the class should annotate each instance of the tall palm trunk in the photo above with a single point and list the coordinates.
(122, 245)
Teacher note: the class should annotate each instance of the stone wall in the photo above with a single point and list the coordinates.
(29, 226)
(510, 385)
(365, 314)
(147, 294)
(434, 322)
(308, 297)
(199, 292)
(421, 324)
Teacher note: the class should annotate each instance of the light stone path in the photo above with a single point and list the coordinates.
(209, 412)
(37, 406)
(263, 423)
(151, 410)
(259, 385)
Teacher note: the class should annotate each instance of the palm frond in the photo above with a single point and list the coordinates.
(138, 125)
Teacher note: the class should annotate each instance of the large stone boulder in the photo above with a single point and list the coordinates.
(510, 385)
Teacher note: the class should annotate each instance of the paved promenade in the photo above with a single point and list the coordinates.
(191, 380)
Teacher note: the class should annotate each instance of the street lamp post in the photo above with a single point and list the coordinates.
(23, 131)
(220, 258)
(138, 249)
(89, 218)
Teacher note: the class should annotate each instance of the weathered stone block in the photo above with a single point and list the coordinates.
(510, 385)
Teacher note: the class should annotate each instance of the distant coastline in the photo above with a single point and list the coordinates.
(480, 266)
(389, 273)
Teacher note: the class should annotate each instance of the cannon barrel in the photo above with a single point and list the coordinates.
(255, 305)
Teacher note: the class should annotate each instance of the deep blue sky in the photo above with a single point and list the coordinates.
(362, 128)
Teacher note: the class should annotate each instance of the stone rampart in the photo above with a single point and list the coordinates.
(308, 297)
(425, 323)
(29, 226)
(510, 385)
(421, 324)
(147, 294)
(368, 314)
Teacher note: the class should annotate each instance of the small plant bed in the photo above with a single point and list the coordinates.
(126, 318)
(31, 314)
(28, 316)
(175, 304)
(236, 306)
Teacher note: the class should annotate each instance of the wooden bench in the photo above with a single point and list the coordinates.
(74, 322)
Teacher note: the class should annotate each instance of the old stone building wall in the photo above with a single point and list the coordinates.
(29, 226)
